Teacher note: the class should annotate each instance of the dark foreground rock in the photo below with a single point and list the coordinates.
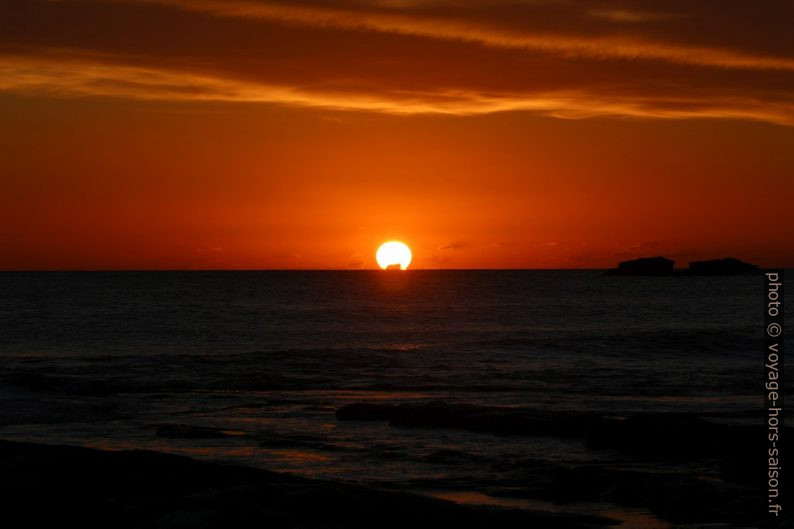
(493, 419)
(645, 266)
(62, 486)
(652, 435)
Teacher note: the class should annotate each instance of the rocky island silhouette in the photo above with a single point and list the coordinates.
(662, 266)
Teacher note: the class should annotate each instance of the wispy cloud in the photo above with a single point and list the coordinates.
(566, 59)
(450, 25)
(76, 78)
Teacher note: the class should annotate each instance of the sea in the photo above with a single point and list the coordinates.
(250, 366)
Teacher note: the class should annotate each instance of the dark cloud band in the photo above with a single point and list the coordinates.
(567, 59)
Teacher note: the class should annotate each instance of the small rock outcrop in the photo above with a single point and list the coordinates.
(645, 266)
(662, 266)
(728, 266)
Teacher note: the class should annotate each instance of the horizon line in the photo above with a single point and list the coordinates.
(143, 270)
(34, 270)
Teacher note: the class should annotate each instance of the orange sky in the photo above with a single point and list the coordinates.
(258, 134)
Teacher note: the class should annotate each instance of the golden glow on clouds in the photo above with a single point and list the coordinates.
(460, 58)
(70, 78)
(594, 47)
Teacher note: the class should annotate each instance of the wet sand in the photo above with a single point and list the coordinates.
(45, 485)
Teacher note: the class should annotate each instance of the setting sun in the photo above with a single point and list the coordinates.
(393, 255)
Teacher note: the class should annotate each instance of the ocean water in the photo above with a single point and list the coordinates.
(265, 358)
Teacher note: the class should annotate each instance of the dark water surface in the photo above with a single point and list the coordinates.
(262, 360)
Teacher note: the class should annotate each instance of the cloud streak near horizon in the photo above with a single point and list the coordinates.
(572, 59)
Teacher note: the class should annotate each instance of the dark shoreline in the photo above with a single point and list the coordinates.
(731, 495)
(48, 485)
